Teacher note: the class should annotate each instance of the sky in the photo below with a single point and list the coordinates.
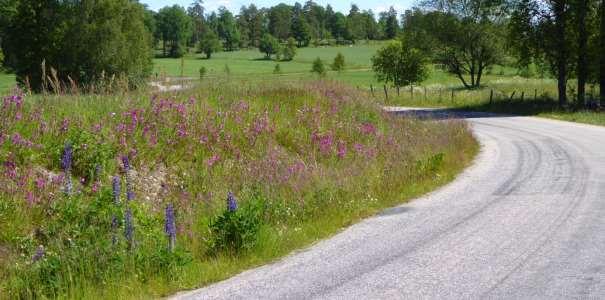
(234, 5)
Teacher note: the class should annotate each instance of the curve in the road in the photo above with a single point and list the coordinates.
(527, 220)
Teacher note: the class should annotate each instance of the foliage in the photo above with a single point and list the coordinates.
(269, 45)
(227, 29)
(202, 72)
(210, 43)
(289, 51)
(463, 36)
(175, 28)
(399, 64)
(277, 69)
(318, 67)
(339, 62)
(237, 230)
(81, 42)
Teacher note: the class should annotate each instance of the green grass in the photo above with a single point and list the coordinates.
(7, 82)
(315, 155)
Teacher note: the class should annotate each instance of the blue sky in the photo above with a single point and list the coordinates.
(234, 5)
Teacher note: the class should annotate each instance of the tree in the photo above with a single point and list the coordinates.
(582, 69)
(227, 29)
(318, 67)
(175, 27)
(389, 24)
(300, 31)
(196, 13)
(464, 36)
(210, 43)
(290, 50)
(602, 57)
(280, 18)
(339, 62)
(399, 64)
(269, 45)
(81, 42)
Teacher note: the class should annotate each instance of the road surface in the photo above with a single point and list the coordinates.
(527, 220)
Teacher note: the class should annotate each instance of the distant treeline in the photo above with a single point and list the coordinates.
(177, 27)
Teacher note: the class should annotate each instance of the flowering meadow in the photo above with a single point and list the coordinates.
(144, 194)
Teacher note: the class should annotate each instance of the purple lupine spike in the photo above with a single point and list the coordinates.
(115, 185)
(40, 252)
(170, 226)
(66, 161)
(126, 162)
(129, 191)
(231, 202)
(129, 228)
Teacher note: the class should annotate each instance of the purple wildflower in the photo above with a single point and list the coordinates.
(231, 202)
(39, 254)
(129, 228)
(170, 226)
(126, 163)
(129, 192)
(115, 187)
(66, 161)
(341, 149)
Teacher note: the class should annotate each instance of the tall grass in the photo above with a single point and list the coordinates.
(302, 159)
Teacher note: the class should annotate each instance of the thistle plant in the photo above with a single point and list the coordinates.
(66, 161)
(231, 202)
(170, 227)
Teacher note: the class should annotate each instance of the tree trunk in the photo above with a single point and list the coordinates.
(560, 20)
(582, 52)
(602, 67)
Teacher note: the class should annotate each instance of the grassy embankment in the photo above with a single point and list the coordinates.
(304, 160)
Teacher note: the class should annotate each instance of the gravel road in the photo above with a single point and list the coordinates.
(527, 220)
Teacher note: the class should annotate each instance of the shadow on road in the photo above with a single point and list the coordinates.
(440, 113)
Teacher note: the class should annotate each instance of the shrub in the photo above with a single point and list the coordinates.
(318, 67)
(202, 72)
(399, 64)
(237, 229)
(290, 50)
(112, 38)
(269, 45)
(277, 69)
(210, 43)
(339, 62)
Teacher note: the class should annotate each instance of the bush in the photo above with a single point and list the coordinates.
(236, 230)
(318, 67)
(210, 43)
(290, 50)
(399, 64)
(111, 39)
(277, 69)
(202, 72)
(339, 62)
(269, 45)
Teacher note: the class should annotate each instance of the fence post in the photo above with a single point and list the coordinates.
(372, 90)
(425, 93)
(412, 91)
(397, 91)
(386, 94)
(512, 96)
(535, 94)
(491, 96)
(452, 96)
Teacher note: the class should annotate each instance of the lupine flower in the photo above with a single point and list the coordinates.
(66, 161)
(170, 226)
(115, 187)
(39, 254)
(129, 192)
(129, 228)
(231, 202)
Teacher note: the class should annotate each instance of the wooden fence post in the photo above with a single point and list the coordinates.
(425, 93)
(386, 94)
(535, 94)
(522, 95)
(397, 91)
(372, 90)
(452, 96)
(412, 91)
(512, 96)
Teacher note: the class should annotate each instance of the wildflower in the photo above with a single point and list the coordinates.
(40, 183)
(65, 125)
(368, 128)
(231, 202)
(66, 161)
(39, 254)
(170, 226)
(129, 191)
(129, 228)
(115, 187)
(341, 149)
(325, 143)
(212, 160)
